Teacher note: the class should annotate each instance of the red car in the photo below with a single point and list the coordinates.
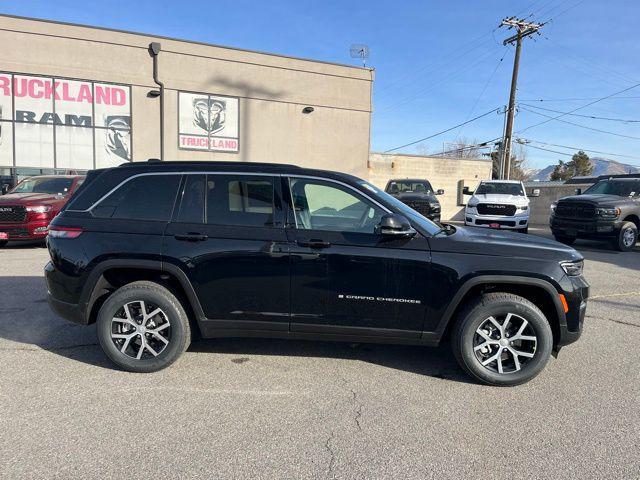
(27, 209)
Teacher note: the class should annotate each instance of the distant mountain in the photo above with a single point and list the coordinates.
(601, 166)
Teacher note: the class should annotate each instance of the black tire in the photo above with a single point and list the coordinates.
(476, 313)
(565, 240)
(3, 243)
(154, 295)
(627, 237)
(524, 230)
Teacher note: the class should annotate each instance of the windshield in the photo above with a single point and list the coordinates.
(613, 187)
(498, 188)
(53, 186)
(413, 186)
(430, 227)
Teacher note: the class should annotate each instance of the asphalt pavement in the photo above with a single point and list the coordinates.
(276, 409)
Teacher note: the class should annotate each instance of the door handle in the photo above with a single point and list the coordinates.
(191, 237)
(314, 243)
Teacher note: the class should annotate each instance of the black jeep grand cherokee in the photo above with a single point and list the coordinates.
(609, 209)
(158, 252)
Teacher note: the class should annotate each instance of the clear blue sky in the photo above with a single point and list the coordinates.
(437, 61)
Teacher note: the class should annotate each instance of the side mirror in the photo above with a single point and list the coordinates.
(395, 225)
(466, 191)
(535, 192)
(5, 189)
(440, 192)
(578, 191)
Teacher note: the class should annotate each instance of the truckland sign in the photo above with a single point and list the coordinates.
(50, 122)
(208, 122)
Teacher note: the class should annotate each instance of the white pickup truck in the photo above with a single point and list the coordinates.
(498, 204)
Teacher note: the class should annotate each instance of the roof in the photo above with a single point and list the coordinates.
(233, 166)
(501, 181)
(194, 42)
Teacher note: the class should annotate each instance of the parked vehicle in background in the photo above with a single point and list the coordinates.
(609, 209)
(28, 208)
(155, 252)
(418, 194)
(501, 204)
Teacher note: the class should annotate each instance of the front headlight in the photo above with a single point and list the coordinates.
(39, 208)
(473, 203)
(608, 212)
(523, 208)
(553, 207)
(573, 269)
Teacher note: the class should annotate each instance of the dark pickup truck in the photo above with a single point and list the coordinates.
(609, 209)
(417, 194)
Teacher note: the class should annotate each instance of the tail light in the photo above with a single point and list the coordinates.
(65, 232)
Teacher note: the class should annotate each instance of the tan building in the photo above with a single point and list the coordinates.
(442, 172)
(74, 98)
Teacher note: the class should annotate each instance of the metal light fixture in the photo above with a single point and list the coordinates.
(307, 110)
(153, 93)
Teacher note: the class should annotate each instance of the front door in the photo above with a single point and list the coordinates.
(345, 278)
(227, 235)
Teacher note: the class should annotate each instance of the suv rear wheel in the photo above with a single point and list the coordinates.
(3, 243)
(502, 339)
(627, 237)
(143, 327)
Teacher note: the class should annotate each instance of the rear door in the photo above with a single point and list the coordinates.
(228, 237)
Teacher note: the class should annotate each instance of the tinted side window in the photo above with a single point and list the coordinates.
(192, 204)
(149, 197)
(240, 201)
(320, 205)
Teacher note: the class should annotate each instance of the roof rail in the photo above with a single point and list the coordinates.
(156, 162)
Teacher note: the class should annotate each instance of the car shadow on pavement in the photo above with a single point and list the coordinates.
(27, 323)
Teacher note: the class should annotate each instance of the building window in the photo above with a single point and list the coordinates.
(63, 124)
(208, 122)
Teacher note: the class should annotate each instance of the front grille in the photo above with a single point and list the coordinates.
(423, 208)
(15, 232)
(504, 223)
(575, 210)
(496, 209)
(13, 214)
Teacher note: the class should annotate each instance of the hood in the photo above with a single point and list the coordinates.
(598, 199)
(30, 199)
(417, 196)
(481, 241)
(501, 198)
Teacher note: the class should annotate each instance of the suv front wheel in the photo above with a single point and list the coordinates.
(142, 327)
(502, 339)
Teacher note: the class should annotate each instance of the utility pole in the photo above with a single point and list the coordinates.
(524, 29)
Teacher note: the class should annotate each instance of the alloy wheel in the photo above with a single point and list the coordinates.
(629, 237)
(140, 330)
(504, 343)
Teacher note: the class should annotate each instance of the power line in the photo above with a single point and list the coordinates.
(578, 108)
(574, 99)
(494, 110)
(479, 146)
(624, 120)
(525, 141)
(484, 89)
(576, 124)
(431, 86)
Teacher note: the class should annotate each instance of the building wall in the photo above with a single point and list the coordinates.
(541, 206)
(443, 173)
(272, 91)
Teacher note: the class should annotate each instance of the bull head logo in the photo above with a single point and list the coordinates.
(209, 114)
(118, 137)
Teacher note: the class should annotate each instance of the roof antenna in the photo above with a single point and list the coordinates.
(361, 51)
